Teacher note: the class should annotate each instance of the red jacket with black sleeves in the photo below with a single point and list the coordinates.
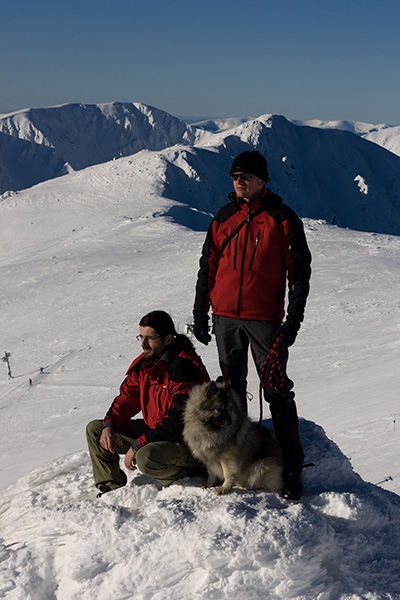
(250, 252)
(159, 391)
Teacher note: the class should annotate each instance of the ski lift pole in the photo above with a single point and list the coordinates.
(6, 359)
(388, 478)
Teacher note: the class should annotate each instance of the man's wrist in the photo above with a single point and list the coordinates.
(293, 321)
(135, 445)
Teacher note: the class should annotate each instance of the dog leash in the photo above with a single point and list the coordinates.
(276, 378)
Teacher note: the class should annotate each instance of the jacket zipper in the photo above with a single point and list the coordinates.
(235, 251)
(255, 248)
(243, 257)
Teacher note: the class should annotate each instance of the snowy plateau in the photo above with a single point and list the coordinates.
(103, 214)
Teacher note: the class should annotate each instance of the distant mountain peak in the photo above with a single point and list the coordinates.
(322, 172)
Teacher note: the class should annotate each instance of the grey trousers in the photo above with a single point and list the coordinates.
(234, 338)
(164, 461)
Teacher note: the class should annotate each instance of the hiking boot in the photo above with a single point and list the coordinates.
(292, 486)
(109, 486)
(103, 490)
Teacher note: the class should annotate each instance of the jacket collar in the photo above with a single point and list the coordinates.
(170, 352)
(243, 205)
(267, 199)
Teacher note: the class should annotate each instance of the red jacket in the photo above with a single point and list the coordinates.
(159, 391)
(250, 251)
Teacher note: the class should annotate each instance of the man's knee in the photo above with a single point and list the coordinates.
(149, 458)
(151, 462)
(165, 461)
(161, 455)
(93, 429)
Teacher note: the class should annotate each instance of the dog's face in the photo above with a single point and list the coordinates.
(217, 407)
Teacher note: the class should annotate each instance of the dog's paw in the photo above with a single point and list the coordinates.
(222, 490)
(207, 484)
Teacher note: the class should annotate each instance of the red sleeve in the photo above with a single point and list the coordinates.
(127, 403)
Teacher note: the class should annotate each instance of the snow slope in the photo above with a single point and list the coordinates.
(342, 541)
(357, 127)
(323, 173)
(387, 136)
(221, 124)
(83, 258)
(80, 135)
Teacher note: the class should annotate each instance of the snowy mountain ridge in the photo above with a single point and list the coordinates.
(80, 136)
(357, 127)
(387, 136)
(324, 174)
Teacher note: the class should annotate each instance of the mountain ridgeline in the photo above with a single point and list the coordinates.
(328, 174)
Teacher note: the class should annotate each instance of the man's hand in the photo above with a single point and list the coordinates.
(130, 460)
(200, 328)
(108, 439)
(288, 332)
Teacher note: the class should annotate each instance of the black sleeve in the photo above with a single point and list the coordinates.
(201, 302)
(299, 282)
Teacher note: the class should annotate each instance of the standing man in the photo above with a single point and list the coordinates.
(157, 385)
(253, 246)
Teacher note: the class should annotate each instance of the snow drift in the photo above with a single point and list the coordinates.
(342, 540)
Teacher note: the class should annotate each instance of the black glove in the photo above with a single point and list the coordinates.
(200, 328)
(288, 330)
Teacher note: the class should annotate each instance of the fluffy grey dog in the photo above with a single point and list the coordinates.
(235, 451)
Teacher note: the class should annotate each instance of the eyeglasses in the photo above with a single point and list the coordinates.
(147, 338)
(244, 176)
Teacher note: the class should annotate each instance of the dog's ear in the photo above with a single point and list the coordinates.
(212, 390)
(225, 382)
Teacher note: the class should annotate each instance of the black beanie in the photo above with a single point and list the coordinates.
(251, 162)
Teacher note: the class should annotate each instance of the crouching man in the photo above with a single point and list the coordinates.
(157, 385)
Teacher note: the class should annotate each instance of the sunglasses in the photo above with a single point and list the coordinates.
(244, 176)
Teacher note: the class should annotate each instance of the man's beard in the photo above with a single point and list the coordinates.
(152, 355)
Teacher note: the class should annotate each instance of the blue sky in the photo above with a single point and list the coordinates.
(304, 59)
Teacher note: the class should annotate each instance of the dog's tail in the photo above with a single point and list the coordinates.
(265, 474)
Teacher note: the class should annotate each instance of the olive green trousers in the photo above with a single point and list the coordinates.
(164, 461)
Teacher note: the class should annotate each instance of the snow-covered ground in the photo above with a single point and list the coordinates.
(83, 257)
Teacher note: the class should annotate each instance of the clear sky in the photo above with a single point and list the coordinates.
(305, 59)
